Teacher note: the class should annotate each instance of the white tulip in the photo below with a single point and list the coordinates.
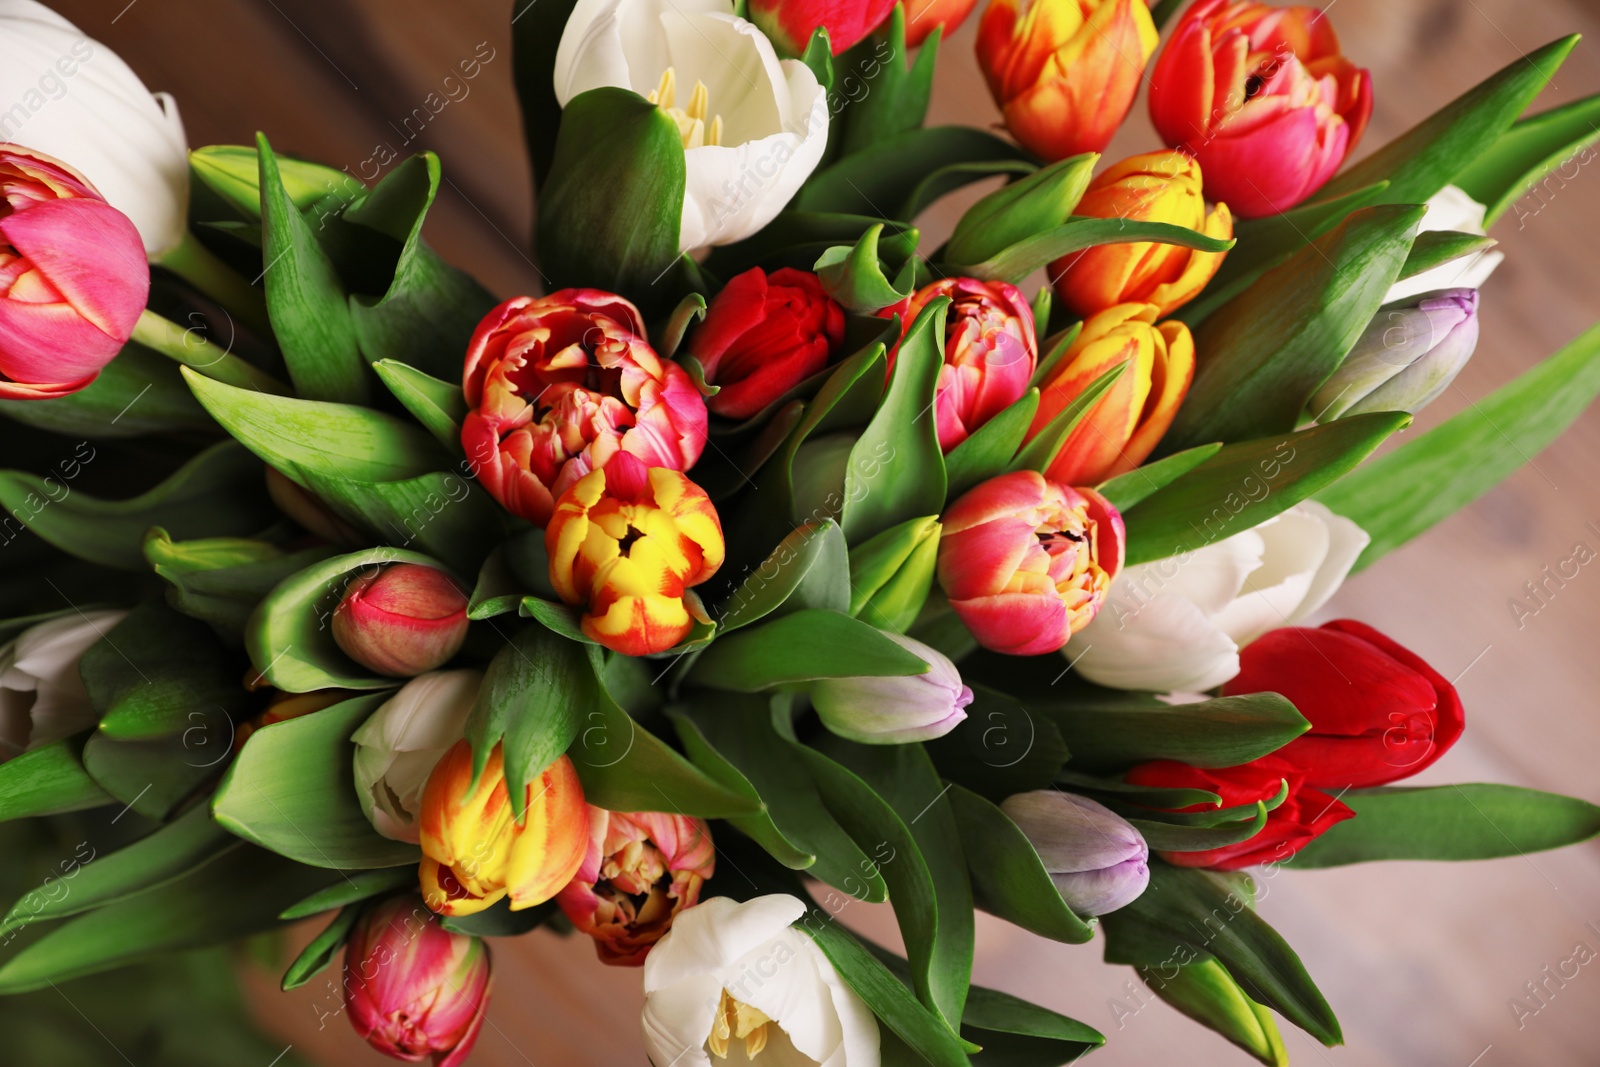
(1178, 623)
(1451, 209)
(736, 983)
(73, 98)
(397, 747)
(754, 128)
(42, 698)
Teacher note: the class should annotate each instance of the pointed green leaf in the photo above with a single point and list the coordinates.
(47, 780)
(808, 569)
(439, 406)
(1541, 149)
(319, 952)
(220, 580)
(1008, 877)
(534, 696)
(989, 450)
(1434, 248)
(887, 174)
(1126, 490)
(354, 886)
(854, 275)
(137, 393)
(1040, 452)
(1112, 730)
(1207, 993)
(1014, 213)
(802, 646)
(882, 91)
(1023, 258)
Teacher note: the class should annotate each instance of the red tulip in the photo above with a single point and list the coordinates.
(790, 23)
(1304, 815)
(1262, 98)
(763, 335)
(402, 621)
(558, 385)
(1377, 711)
(73, 278)
(1027, 562)
(925, 16)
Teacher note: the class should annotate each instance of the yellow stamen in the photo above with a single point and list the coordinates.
(736, 1019)
(692, 125)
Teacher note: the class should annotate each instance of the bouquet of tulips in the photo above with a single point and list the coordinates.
(771, 559)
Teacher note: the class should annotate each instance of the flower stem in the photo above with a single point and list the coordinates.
(191, 349)
(197, 265)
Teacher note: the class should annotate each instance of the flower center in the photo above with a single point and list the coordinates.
(737, 1020)
(691, 120)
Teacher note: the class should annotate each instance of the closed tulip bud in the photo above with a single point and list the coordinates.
(891, 573)
(790, 23)
(558, 385)
(763, 335)
(1262, 98)
(897, 709)
(1021, 209)
(1153, 187)
(1065, 72)
(1027, 562)
(402, 621)
(1096, 859)
(625, 545)
(399, 745)
(640, 871)
(42, 696)
(925, 16)
(413, 989)
(1378, 712)
(1405, 359)
(73, 278)
(475, 851)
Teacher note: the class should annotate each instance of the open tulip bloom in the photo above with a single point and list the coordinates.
(772, 555)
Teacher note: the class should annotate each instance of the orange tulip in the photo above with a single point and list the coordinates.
(1065, 72)
(476, 852)
(1125, 425)
(1152, 187)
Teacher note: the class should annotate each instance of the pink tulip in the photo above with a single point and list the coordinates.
(73, 278)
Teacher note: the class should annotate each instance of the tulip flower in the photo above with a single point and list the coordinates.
(1404, 359)
(1096, 859)
(1152, 187)
(1177, 624)
(1305, 814)
(1262, 98)
(626, 544)
(559, 384)
(402, 621)
(1125, 424)
(925, 16)
(73, 278)
(733, 979)
(1065, 72)
(899, 709)
(399, 745)
(475, 851)
(42, 697)
(790, 23)
(754, 127)
(1378, 712)
(1027, 562)
(1451, 209)
(763, 335)
(75, 99)
(641, 871)
(414, 989)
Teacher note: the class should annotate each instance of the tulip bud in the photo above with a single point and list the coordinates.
(898, 709)
(73, 278)
(925, 16)
(474, 849)
(1153, 187)
(626, 544)
(790, 23)
(1027, 562)
(1022, 209)
(641, 870)
(399, 745)
(763, 335)
(1065, 74)
(1405, 359)
(1096, 859)
(402, 621)
(1207, 993)
(891, 573)
(413, 988)
(42, 696)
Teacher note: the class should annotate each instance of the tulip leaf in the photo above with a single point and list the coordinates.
(1178, 837)
(442, 513)
(1112, 730)
(217, 493)
(1264, 353)
(797, 238)
(800, 647)
(1008, 877)
(690, 310)
(1041, 450)
(233, 172)
(1077, 233)
(809, 569)
(220, 580)
(320, 951)
(1057, 348)
(536, 30)
(48, 780)
(1530, 154)
(291, 790)
(1450, 822)
(1207, 993)
(1247, 483)
(853, 275)
(518, 567)
(140, 392)
(439, 406)
(892, 573)
(882, 94)
(155, 777)
(1404, 492)
(1000, 748)
(1434, 248)
(1016, 212)
(532, 699)
(949, 178)
(354, 886)
(1126, 490)
(558, 618)
(887, 173)
(290, 635)
(988, 451)
(1428, 156)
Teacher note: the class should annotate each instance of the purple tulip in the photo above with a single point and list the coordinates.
(1097, 861)
(1406, 357)
(896, 709)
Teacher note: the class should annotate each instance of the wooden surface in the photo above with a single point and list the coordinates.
(1420, 961)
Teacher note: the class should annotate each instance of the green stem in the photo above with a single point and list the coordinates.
(190, 348)
(197, 265)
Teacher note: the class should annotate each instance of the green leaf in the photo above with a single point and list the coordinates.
(499, 920)
(1015, 1033)
(892, 573)
(1451, 822)
(797, 238)
(534, 695)
(1112, 730)
(1530, 152)
(48, 780)
(1056, 348)
(137, 393)
(1247, 483)
(1040, 452)
(1207, 993)
(1000, 748)
(808, 569)
(353, 887)
(1008, 877)
(1434, 248)
(690, 310)
(854, 275)
(220, 580)
(233, 172)
(1126, 490)
(439, 406)
(156, 777)
(319, 952)
(1077, 233)
(1166, 836)
(889, 95)
(442, 513)
(949, 178)
(536, 27)
(887, 174)
(819, 57)
(801, 647)
(1404, 492)
(1012, 214)
(988, 451)
(291, 790)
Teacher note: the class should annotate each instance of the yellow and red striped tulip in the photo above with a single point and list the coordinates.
(1127, 423)
(1151, 187)
(475, 851)
(626, 543)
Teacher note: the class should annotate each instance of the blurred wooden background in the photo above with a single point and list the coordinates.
(1420, 961)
